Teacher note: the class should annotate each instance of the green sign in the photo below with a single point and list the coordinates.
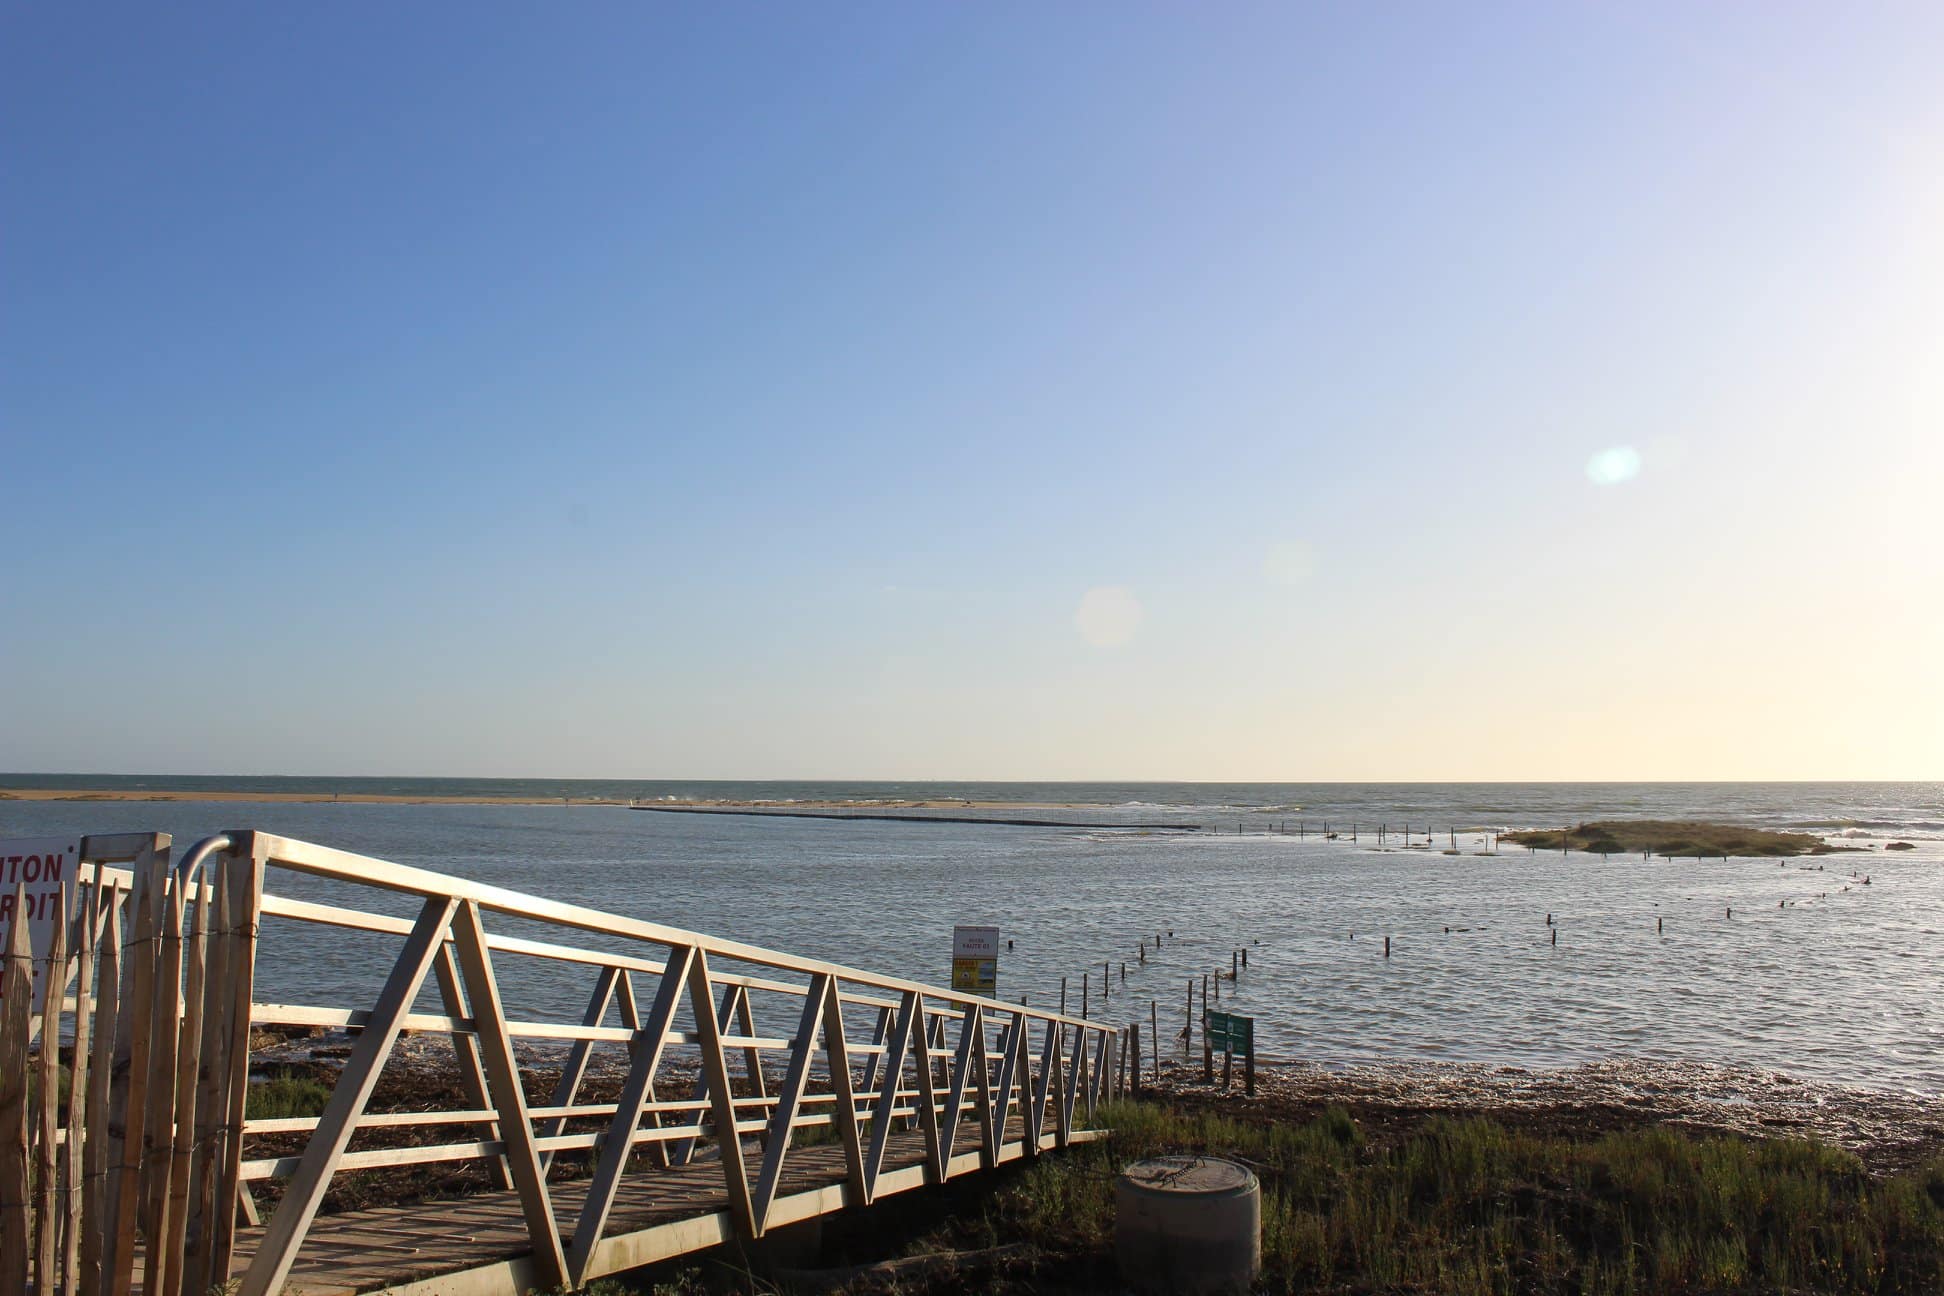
(1231, 1033)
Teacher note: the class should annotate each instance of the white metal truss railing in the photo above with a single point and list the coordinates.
(937, 1061)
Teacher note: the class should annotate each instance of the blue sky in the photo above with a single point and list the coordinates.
(615, 391)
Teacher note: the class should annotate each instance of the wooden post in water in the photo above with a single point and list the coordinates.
(1235, 965)
(1134, 1057)
(1063, 982)
(1208, 1052)
(1555, 938)
(1245, 956)
(1386, 947)
(1659, 926)
(1083, 994)
(1188, 1023)
(1154, 1035)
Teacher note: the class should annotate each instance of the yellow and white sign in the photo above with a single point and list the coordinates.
(975, 959)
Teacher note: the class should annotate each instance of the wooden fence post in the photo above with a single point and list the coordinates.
(16, 1002)
(165, 1033)
(245, 905)
(212, 1068)
(174, 1238)
(80, 1139)
(47, 1235)
(97, 1201)
(131, 1096)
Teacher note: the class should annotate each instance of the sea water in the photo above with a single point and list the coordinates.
(1816, 974)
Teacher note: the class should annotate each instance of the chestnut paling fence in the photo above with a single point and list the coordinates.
(125, 1150)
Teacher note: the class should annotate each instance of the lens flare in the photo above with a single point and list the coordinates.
(1614, 465)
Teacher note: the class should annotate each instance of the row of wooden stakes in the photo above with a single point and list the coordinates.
(141, 1141)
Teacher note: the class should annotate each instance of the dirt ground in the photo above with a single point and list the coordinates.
(1889, 1131)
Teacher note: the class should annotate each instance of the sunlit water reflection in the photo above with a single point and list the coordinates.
(1815, 974)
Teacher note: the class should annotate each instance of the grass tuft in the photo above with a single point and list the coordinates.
(1467, 1207)
(1673, 838)
(282, 1097)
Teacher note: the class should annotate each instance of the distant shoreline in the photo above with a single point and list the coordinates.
(880, 812)
(393, 798)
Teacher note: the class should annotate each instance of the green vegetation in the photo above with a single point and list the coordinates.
(1673, 838)
(1467, 1206)
(284, 1096)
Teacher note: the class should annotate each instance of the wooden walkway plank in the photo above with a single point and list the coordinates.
(655, 1217)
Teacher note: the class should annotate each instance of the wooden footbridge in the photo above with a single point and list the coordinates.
(145, 1172)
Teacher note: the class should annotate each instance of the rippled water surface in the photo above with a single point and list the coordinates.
(1815, 973)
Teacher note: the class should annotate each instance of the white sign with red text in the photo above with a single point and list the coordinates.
(32, 871)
